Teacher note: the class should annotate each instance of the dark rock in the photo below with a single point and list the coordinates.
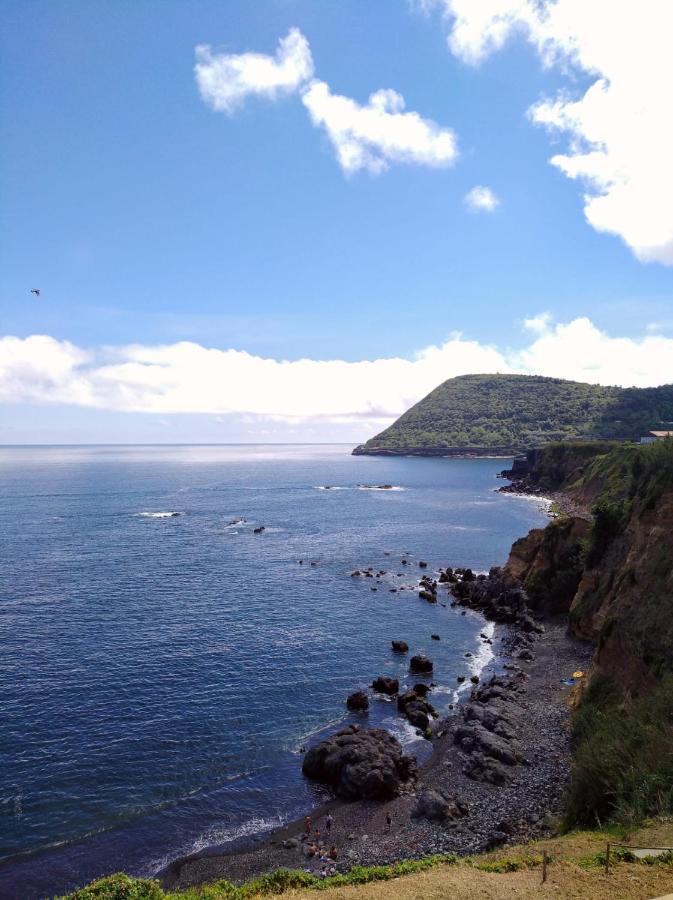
(384, 684)
(422, 689)
(480, 768)
(435, 637)
(420, 663)
(527, 655)
(473, 737)
(417, 714)
(427, 595)
(258, 530)
(357, 701)
(474, 679)
(360, 763)
(400, 646)
(422, 564)
(437, 807)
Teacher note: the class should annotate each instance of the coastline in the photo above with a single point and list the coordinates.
(538, 708)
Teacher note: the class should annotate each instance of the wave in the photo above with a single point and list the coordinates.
(330, 487)
(478, 662)
(169, 514)
(380, 487)
(217, 836)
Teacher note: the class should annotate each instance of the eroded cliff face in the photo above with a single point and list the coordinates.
(548, 563)
(613, 576)
(625, 602)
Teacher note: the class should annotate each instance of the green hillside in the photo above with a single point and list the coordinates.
(515, 412)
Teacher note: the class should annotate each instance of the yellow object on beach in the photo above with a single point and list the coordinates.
(578, 674)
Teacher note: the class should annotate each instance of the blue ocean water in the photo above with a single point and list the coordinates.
(160, 673)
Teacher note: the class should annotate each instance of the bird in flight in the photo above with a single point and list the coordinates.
(35, 291)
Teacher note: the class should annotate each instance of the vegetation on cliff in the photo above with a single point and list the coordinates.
(614, 576)
(521, 411)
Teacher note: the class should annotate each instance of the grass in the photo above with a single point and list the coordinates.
(576, 868)
(623, 761)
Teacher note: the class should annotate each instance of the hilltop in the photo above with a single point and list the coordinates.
(480, 414)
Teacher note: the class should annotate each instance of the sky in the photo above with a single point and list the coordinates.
(289, 220)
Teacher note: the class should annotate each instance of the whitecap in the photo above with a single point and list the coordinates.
(169, 514)
(380, 487)
(218, 836)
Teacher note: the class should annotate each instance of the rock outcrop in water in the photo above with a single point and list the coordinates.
(358, 701)
(360, 763)
(384, 684)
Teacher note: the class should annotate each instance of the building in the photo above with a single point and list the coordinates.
(653, 436)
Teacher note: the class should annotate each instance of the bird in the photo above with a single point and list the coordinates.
(35, 291)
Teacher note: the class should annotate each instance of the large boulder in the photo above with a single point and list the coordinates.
(360, 763)
(357, 701)
(474, 737)
(420, 663)
(437, 807)
(400, 646)
(384, 684)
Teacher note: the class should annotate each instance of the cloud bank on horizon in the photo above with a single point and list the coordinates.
(620, 135)
(189, 378)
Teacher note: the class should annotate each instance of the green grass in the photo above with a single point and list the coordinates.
(121, 887)
(623, 760)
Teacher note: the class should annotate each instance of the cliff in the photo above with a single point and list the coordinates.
(507, 414)
(613, 576)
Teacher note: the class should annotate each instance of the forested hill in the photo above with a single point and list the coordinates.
(502, 413)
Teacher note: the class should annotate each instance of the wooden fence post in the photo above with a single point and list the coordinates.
(607, 859)
(544, 866)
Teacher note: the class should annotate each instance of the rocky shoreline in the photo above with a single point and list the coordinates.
(497, 773)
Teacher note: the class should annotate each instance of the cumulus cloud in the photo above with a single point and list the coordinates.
(225, 80)
(373, 135)
(620, 134)
(369, 136)
(481, 199)
(189, 378)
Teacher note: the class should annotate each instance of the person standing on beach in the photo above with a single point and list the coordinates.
(307, 825)
(328, 823)
(389, 821)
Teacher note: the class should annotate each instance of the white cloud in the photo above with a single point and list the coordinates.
(380, 132)
(620, 131)
(189, 378)
(225, 80)
(365, 137)
(481, 199)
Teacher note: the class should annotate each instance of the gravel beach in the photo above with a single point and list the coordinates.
(537, 707)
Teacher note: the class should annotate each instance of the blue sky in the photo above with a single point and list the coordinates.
(146, 217)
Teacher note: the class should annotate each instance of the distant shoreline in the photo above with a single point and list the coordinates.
(441, 452)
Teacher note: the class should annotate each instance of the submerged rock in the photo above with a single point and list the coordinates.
(400, 646)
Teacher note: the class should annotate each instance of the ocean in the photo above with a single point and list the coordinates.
(163, 665)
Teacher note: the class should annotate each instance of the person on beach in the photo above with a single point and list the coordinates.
(328, 823)
(389, 821)
(307, 825)
(333, 853)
